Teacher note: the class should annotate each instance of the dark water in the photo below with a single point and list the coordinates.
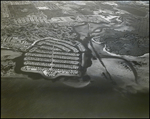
(28, 98)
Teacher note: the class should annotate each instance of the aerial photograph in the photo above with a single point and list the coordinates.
(75, 59)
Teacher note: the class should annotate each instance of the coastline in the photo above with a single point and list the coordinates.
(113, 54)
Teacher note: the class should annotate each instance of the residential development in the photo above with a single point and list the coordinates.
(53, 57)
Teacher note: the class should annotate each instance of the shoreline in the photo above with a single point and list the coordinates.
(113, 54)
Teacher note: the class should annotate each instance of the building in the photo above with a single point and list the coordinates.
(46, 4)
(39, 18)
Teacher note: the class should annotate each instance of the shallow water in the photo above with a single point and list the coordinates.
(27, 98)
